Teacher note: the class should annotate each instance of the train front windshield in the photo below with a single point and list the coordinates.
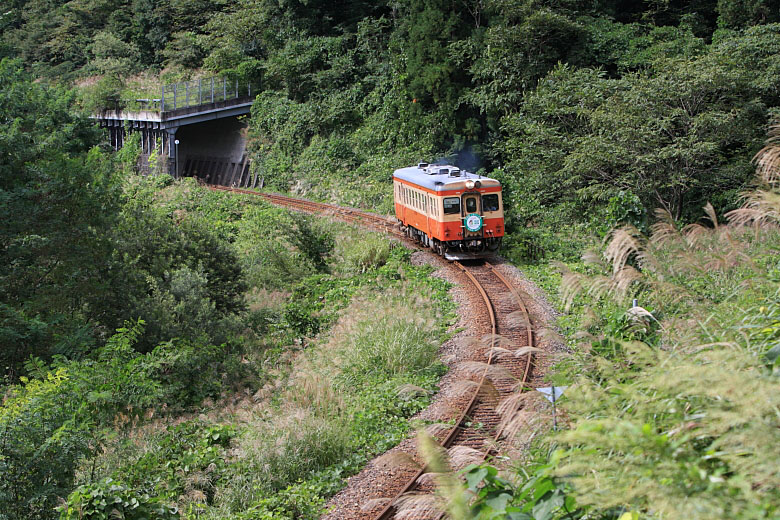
(490, 202)
(451, 206)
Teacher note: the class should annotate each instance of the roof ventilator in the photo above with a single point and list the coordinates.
(455, 172)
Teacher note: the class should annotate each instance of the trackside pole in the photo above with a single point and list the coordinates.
(552, 394)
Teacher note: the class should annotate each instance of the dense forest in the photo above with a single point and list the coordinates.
(148, 331)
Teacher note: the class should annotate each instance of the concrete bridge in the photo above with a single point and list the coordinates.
(195, 126)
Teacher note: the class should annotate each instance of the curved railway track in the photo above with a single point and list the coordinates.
(479, 425)
(350, 215)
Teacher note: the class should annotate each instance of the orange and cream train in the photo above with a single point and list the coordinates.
(460, 215)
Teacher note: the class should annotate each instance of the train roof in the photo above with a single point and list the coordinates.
(441, 177)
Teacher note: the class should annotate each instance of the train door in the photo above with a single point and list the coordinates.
(428, 213)
(472, 215)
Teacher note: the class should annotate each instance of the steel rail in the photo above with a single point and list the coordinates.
(388, 511)
(529, 329)
(347, 214)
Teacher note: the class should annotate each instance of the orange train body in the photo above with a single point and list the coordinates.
(460, 215)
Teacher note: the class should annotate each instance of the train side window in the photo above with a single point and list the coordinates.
(451, 206)
(490, 202)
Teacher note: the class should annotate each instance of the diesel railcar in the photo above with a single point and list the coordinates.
(459, 215)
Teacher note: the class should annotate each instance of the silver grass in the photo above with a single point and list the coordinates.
(479, 369)
(496, 340)
(374, 503)
(410, 390)
(624, 242)
(664, 229)
(462, 456)
(517, 319)
(415, 506)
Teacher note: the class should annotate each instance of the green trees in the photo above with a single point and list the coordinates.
(51, 241)
(676, 135)
(50, 422)
(80, 253)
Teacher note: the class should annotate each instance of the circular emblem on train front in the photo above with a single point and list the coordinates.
(473, 223)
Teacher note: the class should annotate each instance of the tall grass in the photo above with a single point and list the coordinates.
(360, 251)
(397, 339)
(285, 449)
(317, 419)
(675, 408)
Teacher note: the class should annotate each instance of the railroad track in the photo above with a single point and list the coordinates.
(479, 426)
(350, 215)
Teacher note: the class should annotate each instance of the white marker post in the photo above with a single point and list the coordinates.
(552, 393)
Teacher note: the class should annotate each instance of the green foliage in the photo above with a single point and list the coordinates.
(180, 276)
(521, 44)
(676, 136)
(539, 497)
(49, 423)
(189, 372)
(396, 342)
(737, 14)
(361, 251)
(298, 250)
(187, 459)
(40, 445)
(111, 499)
(52, 242)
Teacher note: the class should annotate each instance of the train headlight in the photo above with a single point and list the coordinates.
(470, 185)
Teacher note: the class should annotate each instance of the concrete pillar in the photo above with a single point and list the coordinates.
(173, 167)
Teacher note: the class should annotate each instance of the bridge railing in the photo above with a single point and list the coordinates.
(201, 92)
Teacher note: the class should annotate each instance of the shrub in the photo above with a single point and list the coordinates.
(361, 251)
(108, 499)
(50, 423)
(394, 341)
